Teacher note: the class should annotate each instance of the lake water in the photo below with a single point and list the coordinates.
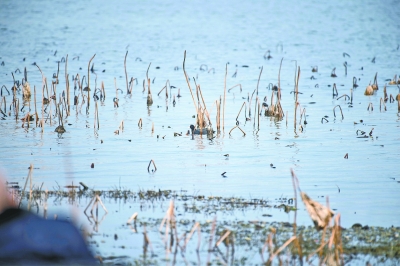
(364, 188)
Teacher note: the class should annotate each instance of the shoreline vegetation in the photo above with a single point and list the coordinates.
(224, 241)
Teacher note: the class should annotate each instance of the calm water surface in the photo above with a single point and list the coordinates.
(235, 33)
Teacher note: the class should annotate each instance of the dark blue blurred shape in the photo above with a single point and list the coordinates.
(25, 238)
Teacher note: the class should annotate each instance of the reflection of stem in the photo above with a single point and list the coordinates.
(282, 248)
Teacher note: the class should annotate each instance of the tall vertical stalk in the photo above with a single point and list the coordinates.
(88, 81)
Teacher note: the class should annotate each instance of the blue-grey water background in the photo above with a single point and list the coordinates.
(214, 33)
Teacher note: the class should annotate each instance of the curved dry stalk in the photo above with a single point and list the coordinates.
(126, 74)
(345, 97)
(166, 89)
(187, 80)
(237, 85)
(370, 105)
(244, 134)
(155, 167)
(232, 129)
(1, 93)
(140, 123)
(334, 114)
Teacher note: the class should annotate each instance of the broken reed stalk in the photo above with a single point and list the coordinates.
(155, 167)
(140, 123)
(34, 97)
(279, 80)
(223, 107)
(244, 104)
(251, 99)
(244, 134)
(295, 183)
(334, 114)
(259, 77)
(240, 85)
(187, 80)
(88, 81)
(103, 91)
(42, 119)
(296, 99)
(158, 94)
(217, 116)
(222, 238)
(121, 126)
(29, 177)
(205, 107)
(67, 86)
(133, 217)
(126, 74)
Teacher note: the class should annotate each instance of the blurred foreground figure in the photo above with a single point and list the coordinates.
(27, 239)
